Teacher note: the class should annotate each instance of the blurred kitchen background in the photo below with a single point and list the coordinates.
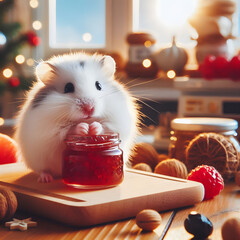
(178, 57)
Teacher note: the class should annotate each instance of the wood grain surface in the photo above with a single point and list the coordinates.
(218, 210)
(80, 207)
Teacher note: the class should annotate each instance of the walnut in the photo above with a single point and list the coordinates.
(142, 167)
(11, 201)
(172, 167)
(3, 206)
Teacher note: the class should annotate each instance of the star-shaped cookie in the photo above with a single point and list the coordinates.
(21, 225)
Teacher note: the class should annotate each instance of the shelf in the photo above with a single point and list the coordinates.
(158, 89)
(203, 86)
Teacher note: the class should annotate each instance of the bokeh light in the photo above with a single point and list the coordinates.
(146, 63)
(20, 59)
(37, 25)
(7, 72)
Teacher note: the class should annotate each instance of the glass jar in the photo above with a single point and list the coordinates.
(141, 47)
(186, 129)
(92, 162)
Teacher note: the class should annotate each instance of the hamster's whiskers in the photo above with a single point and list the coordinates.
(126, 84)
(109, 93)
(144, 115)
(145, 98)
(138, 84)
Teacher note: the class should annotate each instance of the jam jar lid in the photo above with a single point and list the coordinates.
(204, 124)
(92, 140)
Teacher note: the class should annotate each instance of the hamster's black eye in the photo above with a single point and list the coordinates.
(98, 85)
(69, 88)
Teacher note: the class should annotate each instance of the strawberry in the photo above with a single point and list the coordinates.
(210, 178)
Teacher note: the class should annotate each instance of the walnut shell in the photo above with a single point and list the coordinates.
(3, 206)
(11, 202)
(172, 167)
(148, 219)
(142, 167)
(231, 229)
(144, 153)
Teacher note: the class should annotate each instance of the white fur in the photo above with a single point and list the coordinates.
(40, 131)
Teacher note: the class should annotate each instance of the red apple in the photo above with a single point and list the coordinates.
(8, 149)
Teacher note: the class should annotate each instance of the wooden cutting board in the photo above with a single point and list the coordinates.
(138, 191)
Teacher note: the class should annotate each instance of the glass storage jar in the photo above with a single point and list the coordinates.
(141, 48)
(186, 129)
(92, 162)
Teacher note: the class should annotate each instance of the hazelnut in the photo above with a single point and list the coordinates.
(3, 206)
(237, 178)
(11, 202)
(231, 229)
(143, 167)
(148, 219)
(172, 167)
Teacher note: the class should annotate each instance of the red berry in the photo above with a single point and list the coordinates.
(207, 67)
(209, 60)
(234, 67)
(221, 67)
(208, 73)
(14, 82)
(210, 178)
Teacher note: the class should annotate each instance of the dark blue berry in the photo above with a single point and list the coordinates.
(198, 225)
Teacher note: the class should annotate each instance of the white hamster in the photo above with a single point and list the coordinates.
(72, 90)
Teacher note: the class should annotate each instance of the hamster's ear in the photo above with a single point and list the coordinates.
(108, 64)
(45, 72)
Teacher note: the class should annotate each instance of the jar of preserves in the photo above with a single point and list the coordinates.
(141, 62)
(186, 129)
(92, 162)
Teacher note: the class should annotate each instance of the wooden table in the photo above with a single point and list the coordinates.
(222, 207)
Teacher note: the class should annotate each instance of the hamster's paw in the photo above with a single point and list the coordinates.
(45, 177)
(95, 128)
(82, 129)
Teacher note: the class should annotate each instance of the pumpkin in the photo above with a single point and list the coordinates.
(172, 58)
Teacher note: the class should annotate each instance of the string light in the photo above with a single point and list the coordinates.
(87, 37)
(20, 59)
(171, 74)
(1, 119)
(7, 72)
(147, 44)
(37, 25)
(33, 3)
(3, 38)
(30, 62)
(146, 63)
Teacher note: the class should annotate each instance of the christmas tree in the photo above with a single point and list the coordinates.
(12, 77)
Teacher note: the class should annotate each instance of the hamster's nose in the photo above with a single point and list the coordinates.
(88, 108)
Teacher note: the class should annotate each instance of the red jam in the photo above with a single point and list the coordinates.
(92, 161)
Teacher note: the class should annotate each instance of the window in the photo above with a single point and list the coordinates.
(66, 26)
(87, 25)
(79, 24)
(161, 16)
(164, 19)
